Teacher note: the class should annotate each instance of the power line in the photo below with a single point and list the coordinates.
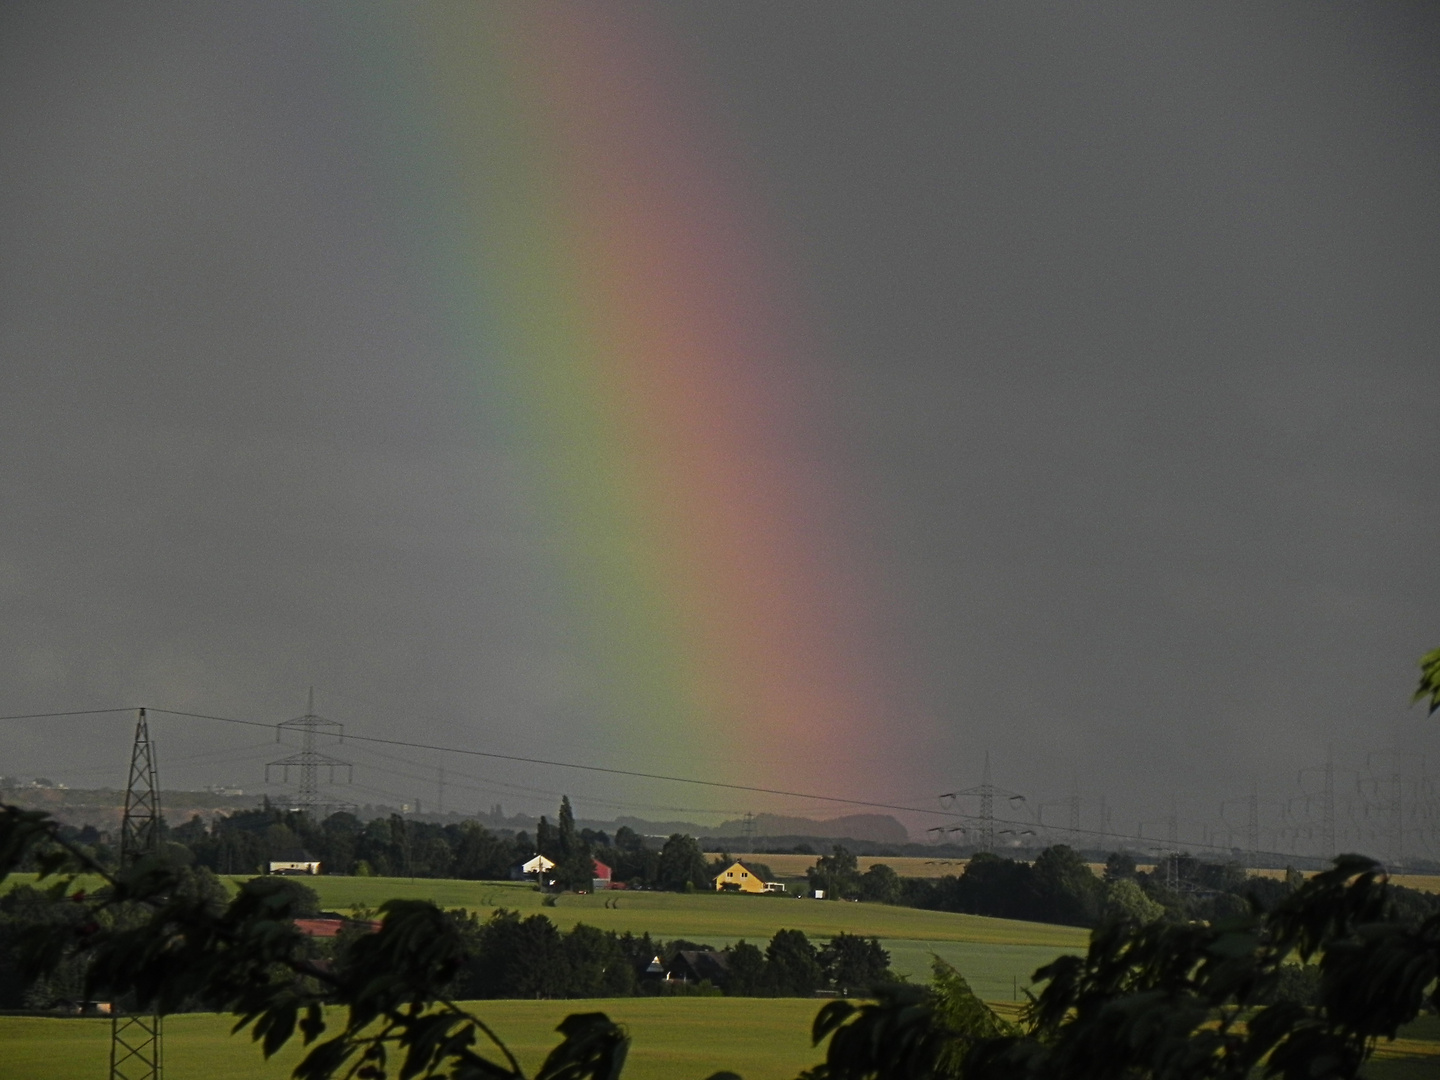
(56, 715)
(1099, 834)
(583, 768)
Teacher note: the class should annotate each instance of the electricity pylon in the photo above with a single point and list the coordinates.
(984, 822)
(135, 1040)
(309, 761)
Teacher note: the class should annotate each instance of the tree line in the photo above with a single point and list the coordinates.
(246, 842)
(1060, 887)
(510, 956)
(1057, 887)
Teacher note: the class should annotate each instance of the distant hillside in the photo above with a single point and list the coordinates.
(876, 828)
(104, 807)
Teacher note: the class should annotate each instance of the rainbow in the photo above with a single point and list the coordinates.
(607, 273)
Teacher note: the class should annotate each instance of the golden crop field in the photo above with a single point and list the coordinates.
(789, 867)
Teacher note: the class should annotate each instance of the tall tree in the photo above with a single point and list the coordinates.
(838, 874)
(547, 841)
(880, 885)
(566, 839)
(747, 970)
(855, 965)
(682, 864)
(574, 865)
(792, 966)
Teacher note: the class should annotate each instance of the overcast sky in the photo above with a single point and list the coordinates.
(1131, 317)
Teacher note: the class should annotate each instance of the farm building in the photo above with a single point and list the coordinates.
(329, 926)
(698, 965)
(738, 877)
(538, 867)
(298, 866)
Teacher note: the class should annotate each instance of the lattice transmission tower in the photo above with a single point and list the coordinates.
(309, 762)
(980, 828)
(136, 1043)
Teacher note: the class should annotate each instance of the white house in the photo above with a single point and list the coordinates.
(310, 867)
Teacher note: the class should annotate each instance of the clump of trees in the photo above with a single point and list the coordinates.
(1302, 990)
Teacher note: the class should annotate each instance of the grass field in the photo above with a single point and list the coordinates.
(674, 1038)
(996, 955)
(701, 916)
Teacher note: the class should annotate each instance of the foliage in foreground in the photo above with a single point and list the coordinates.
(1191, 1001)
(154, 945)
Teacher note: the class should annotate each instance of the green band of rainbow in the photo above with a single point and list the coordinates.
(610, 285)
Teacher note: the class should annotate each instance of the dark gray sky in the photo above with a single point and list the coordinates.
(1132, 320)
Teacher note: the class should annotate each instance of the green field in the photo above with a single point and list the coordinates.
(697, 916)
(701, 916)
(997, 956)
(674, 1038)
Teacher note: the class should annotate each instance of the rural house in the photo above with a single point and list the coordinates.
(698, 965)
(539, 866)
(738, 877)
(305, 865)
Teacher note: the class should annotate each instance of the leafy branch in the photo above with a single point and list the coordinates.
(1429, 680)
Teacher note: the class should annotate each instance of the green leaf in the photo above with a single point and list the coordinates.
(1429, 680)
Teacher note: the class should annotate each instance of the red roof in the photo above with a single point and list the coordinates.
(328, 928)
(601, 870)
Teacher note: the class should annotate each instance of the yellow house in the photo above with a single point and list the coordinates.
(739, 876)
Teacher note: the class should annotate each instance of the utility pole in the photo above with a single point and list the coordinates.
(1327, 805)
(308, 763)
(747, 828)
(1252, 830)
(1397, 819)
(1075, 814)
(440, 790)
(136, 1040)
